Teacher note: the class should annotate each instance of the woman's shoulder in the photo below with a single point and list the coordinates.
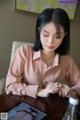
(24, 49)
(67, 59)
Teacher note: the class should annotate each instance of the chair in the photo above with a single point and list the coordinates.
(15, 45)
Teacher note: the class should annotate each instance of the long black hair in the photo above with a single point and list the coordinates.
(59, 17)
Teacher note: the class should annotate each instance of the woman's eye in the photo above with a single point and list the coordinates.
(57, 36)
(45, 35)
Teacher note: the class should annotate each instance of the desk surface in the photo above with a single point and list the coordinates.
(54, 105)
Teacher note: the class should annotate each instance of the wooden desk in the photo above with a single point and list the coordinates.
(54, 105)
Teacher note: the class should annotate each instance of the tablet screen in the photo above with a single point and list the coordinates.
(25, 111)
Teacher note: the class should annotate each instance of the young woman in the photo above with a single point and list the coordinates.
(38, 71)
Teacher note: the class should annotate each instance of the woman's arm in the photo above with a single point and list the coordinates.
(14, 83)
(73, 76)
(73, 79)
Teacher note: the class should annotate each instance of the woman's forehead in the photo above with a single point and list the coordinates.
(52, 27)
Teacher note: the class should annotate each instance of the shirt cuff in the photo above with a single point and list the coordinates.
(32, 91)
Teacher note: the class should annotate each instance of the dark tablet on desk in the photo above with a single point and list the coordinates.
(25, 111)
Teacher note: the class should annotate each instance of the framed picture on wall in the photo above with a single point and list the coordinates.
(37, 6)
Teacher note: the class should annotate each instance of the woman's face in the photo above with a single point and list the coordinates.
(49, 37)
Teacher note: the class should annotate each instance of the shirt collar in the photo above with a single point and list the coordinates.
(36, 55)
(56, 60)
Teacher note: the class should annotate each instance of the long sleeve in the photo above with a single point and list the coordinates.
(15, 78)
(73, 76)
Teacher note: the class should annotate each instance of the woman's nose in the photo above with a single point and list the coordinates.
(50, 41)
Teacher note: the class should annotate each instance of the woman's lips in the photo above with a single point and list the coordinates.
(50, 47)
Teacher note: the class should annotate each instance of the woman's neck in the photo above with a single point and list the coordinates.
(48, 54)
(47, 57)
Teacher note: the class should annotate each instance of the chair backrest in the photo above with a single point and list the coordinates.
(17, 44)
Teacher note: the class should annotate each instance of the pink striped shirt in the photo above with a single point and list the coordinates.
(28, 71)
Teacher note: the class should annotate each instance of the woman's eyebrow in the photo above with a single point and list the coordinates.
(56, 33)
(48, 32)
(45, 31)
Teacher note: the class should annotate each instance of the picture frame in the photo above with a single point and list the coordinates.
(36, 6)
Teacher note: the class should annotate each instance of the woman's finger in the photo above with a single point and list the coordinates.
(65, 91)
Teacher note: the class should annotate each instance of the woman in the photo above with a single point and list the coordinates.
(38, 71)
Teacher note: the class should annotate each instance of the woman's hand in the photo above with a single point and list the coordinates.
(63, 90)
(51, 88)
(66, 91)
